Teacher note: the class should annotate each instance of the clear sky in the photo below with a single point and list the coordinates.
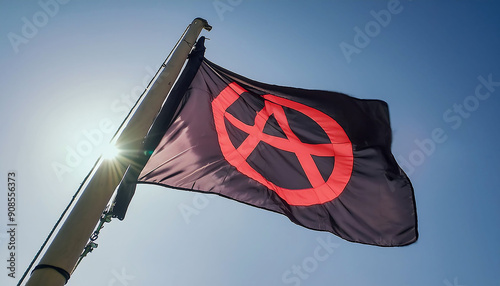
(70, 69)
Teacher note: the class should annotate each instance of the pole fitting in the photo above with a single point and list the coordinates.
(206, 26)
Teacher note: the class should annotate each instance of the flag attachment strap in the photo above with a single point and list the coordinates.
(106, 217)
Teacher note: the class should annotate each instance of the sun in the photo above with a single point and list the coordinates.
(110, 152)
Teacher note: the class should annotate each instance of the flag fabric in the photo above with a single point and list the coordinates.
(321, 158)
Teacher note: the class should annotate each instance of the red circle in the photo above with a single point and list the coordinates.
(340, 147)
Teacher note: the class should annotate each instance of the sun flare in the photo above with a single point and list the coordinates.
(110, 152)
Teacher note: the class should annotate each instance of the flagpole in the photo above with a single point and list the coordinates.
(63, 253)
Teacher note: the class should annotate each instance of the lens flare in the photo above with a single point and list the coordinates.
(110, 152)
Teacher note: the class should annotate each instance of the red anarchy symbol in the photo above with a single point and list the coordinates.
(339, 147)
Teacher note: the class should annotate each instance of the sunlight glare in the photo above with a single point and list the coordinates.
(110, 152)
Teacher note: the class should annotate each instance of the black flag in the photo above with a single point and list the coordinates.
(321, 158)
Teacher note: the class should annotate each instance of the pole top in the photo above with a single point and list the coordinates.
(204, 22)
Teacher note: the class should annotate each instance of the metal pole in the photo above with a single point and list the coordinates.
(68, 244)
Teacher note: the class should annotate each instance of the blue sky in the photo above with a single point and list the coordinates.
(71, 68)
